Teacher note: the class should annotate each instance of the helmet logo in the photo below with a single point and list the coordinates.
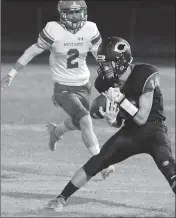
(121, 47)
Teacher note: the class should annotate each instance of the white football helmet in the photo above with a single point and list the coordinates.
(73, 14)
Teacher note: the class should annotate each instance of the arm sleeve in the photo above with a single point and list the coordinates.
(44, 42)
(29, 54)
(95, 41)
(45, 38)
(151, 82)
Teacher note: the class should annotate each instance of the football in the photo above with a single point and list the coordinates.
(94, 111)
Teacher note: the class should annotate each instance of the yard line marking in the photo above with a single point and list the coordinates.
(127, 190)
(34, 127)
(38, 127)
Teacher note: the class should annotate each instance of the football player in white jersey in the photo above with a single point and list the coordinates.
(69, 41)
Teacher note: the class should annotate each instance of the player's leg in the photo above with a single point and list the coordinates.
(162, 155)
(76, 103)
(82, 119)
(122, 145)
(118, 148)
(66, 126)
(56, 132)
(85, 123)
(91, 142)
(88, 136)
(86, 127)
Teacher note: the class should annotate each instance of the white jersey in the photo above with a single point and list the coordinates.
(69, 51)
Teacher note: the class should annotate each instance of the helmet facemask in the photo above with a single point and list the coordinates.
(114, 58)
(73, 16)
(107, 69)
(114, 68)
(121, 65)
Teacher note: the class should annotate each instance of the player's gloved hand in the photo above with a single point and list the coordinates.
(6, 81)
(114, 94)
(112, 109)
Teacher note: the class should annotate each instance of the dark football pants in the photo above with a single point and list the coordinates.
(128, 141)
(75, 100)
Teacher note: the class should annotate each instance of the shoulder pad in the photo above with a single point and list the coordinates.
(92, 28)
(91, 24)
(46, 36)
(50, 28)
(141, 76)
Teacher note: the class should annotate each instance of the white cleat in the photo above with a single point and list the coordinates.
(56, 204)
(106, 172)
(52, 136)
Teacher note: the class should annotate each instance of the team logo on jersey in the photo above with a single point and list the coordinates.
(120, 47)
(80, 38)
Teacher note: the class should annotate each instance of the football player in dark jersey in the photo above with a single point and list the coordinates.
(135, 88)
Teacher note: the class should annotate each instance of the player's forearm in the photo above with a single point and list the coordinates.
(94, 49)
(139, 115)
(145, 105)
(27, 56)
(17, 67)
(133, 112)
(140, 118)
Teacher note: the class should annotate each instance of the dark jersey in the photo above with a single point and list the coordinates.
(143, 78)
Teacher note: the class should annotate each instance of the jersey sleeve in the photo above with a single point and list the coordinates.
(95, 41)
(46, 38)
(151, 82)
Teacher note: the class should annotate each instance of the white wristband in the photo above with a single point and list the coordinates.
(129, 107)
(12, 73)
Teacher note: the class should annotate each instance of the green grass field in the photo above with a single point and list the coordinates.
(31, 174)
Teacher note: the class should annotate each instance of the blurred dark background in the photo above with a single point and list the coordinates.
(149, 27)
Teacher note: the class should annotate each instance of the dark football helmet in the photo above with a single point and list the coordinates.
(114, 57)
(73, 14)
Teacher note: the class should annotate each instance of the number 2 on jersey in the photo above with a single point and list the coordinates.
(73, 54)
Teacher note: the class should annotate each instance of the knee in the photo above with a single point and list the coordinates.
(81, 121)
(167, 163)
(167, 167)
(95, 165)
